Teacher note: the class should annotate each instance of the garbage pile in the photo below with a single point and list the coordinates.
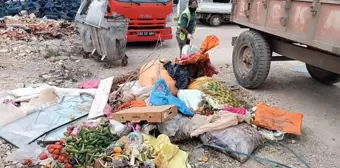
(135, 120)
(28, 26)
(56, 9)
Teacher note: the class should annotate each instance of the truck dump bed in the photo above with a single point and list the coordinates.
(313, 23)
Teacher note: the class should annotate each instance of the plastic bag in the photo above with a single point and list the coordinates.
(154, 70)
(217, 96)
(276, 119)
(240, 138)
(193, 99)
(134, 91)
(201, 58)
(178, 128)
(118, 128)
(166, 154)
(178, 73)
(187, 50)
(161, 95)
(92, 84)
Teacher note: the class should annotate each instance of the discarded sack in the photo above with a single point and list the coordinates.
(240, 138)
(218, 121)
(178, 128)
(152, 71)
(161, 95)
(277, 119)
(217, 95)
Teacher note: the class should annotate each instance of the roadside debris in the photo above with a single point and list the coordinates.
(134, 120)
(276, 119)
(28, 27)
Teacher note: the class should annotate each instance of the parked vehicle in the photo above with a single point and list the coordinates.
(307, 31)
(214, 12)
(149, 19)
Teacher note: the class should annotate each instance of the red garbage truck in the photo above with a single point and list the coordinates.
(150, 20)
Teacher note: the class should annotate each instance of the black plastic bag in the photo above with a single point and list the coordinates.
(179, 74)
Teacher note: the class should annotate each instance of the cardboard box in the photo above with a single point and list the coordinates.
(152, 114)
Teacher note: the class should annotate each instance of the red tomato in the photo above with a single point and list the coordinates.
(43, 156)
(55, 157)
(68, 165)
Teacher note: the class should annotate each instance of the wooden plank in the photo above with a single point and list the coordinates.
(101, 98)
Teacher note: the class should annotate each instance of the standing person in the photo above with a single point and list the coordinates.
(186, 25)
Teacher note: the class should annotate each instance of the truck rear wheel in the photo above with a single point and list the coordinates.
(322, 76)
(251, 59)
(215, 20)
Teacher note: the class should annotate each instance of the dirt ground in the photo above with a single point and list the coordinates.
(61, 62)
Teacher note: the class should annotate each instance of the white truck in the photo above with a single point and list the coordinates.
(214, 12)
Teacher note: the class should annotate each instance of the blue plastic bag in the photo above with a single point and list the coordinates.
(161, 95)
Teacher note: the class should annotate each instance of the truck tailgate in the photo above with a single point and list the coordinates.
(314, 23)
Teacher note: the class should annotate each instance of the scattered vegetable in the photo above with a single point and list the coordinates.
(43, 156)
(88, 143)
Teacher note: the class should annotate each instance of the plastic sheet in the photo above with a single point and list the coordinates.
(31, 152)
(178, 128)
(240, 138)
(161, 95)
(24, 130)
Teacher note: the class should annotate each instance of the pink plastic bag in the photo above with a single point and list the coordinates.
(92, 84)
(239, 110)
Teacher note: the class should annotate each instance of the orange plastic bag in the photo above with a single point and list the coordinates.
(202, 55)
(154, 70)
(277, 119)
(130, 104)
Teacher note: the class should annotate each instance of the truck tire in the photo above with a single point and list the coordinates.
(323, 76)
(215, 20)
(251, 59)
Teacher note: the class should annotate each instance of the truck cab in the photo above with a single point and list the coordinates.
(150, 20)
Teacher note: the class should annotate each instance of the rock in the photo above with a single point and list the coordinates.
(19, 165)
(59, 58)
(46, 76)
(2, 51)
(32, 16)
(293, 141)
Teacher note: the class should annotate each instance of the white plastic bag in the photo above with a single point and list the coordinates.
(193, 99)
(118, 128)
(187, 50)
(134, 91)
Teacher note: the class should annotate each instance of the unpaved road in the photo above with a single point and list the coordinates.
(294, 91)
